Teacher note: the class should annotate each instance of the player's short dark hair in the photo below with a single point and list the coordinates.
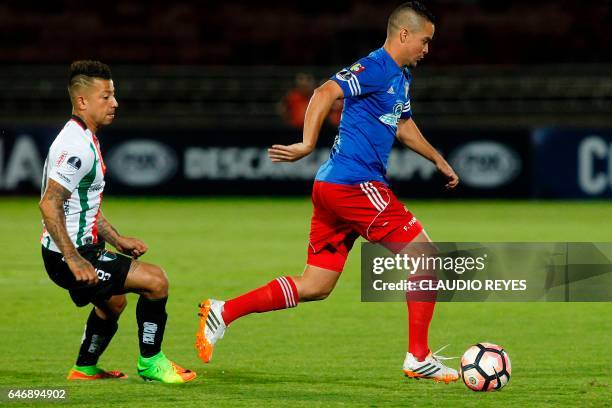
(92, 69)
(83, 72)
(415, 7)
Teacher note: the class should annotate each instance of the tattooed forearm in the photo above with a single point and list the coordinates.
(107, 231)
(52, 210)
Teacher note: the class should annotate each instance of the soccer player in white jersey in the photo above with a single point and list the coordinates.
(73, 240)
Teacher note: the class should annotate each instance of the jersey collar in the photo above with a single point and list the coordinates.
(404, 70)
(389, 59)
(79, 121)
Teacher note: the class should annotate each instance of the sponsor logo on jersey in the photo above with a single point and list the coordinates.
(61, 158)
(60, 175)
(336, 146)
(391, 90)
(357, 68)
(353, 83)
(96, 187)
(74, 162)
(71, 165)
(344, 75)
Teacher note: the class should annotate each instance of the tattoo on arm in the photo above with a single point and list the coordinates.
(52, 209)
(107, 231)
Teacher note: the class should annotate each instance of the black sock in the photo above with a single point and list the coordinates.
(97, 336)
(151, 316)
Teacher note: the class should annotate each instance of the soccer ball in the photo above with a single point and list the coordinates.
(485, 367)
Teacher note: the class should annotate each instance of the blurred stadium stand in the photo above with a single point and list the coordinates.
(191, 96)
(246, 33)
(227, 64)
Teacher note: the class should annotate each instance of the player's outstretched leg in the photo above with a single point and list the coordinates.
(100, 328)
(215, 315)
(151, 282)
(420, 362)
(281, 293)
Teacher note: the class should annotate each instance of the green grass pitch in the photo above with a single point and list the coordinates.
(339, 352)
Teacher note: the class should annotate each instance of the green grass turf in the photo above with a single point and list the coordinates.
(339, 352)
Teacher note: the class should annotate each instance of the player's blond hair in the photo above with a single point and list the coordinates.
(408, 15)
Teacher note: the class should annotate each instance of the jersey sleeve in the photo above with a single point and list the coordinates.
(362, 78)
(407, 110)
(68, 164)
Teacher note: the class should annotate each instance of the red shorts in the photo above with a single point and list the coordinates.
(343, 212)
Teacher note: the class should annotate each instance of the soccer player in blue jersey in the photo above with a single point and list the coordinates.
(351, 196)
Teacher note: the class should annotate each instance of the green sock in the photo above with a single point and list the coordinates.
(89, 370)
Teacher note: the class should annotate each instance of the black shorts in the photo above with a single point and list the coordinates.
(112, 270)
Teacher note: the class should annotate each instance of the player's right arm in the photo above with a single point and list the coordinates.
(52, 210)
(66, 169)
(319, 106)
(409, 135)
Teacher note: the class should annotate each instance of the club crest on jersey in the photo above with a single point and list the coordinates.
(357, 68)
(391, 119)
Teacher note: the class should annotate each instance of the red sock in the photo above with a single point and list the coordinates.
(280, 293)
(419, 317)
(421, 305)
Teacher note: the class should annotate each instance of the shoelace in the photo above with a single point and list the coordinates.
(438, 357)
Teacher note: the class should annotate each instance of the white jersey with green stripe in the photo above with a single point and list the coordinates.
(75, 162)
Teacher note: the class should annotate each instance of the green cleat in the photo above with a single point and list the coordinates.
(159, 368)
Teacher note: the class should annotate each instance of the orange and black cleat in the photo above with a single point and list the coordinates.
(93, 373)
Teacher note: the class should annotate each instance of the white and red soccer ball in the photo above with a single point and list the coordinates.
(485, 367)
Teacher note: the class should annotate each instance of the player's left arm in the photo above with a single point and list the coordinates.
(126, 245)
(409, 135)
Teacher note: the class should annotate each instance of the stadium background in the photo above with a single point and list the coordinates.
(517, 94)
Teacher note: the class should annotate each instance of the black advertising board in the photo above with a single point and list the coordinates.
(491, 163)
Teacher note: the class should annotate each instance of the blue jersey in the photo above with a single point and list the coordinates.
(376, 96)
